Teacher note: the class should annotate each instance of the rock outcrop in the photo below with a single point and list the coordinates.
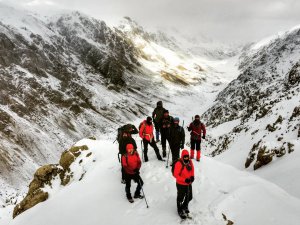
(45, 175)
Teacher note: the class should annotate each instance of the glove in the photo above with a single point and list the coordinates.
(136, 171)
(203, 136)
(192, 179)
(182, 146)
(187, 180)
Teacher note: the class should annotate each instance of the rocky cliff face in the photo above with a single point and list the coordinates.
(71, 76)
(61, 80)
(262, 103)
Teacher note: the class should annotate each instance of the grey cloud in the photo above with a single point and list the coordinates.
(226, 20)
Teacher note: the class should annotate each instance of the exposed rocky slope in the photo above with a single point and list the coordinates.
(60, 80)
(259, 111)
(71, 76)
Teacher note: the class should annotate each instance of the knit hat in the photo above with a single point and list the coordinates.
(197, 116)
(166, 111)
(176, 119)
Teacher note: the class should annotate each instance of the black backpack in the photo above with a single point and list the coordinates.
(125, 129)
(120, 134)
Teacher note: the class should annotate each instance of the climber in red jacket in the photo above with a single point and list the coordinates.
(184, 174)
(146, 133)
(197, 129)
(131, 163)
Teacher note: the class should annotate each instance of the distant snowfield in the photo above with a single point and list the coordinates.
(218, 188)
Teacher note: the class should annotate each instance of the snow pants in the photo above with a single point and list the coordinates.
(154, 146)
(175, 149)
(184, 196)
(165, 135)
(137, 179)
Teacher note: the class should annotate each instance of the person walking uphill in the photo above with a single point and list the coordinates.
(165, 124)
(146, 133)
(177, 138)
(184, 174)
(131, 163)
(157, 114)
(197, 129)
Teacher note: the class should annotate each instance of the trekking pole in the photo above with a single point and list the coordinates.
(142, 151)
(143, 192)
(167, 166)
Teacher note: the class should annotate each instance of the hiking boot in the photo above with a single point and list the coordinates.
(187, 211)
(129, 197)
(160, 158)
(182, 215)
(146, 158)
(138, 196)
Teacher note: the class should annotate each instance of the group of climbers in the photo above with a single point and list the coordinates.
(168, 129)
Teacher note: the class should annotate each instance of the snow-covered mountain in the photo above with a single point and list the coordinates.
(71, 76)
(68, 77)
(256, 118)
(60, 81)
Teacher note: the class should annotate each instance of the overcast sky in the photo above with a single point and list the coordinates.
(226, 20)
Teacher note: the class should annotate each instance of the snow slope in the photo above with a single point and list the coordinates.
(258, 112)
(100, 198)
(70, 76)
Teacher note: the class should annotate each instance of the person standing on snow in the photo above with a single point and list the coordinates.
(165, 124)
(177, 138)
(197, 129)
(184, 174)
(157, 114)
(124, 138)
(146, 133)
(131, 163)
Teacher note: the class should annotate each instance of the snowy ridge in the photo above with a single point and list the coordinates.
(70, 76)
(260, 110)
(53, 94)
(24, 22)
(99, 195)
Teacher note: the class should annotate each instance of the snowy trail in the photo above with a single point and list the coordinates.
(219, 188)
